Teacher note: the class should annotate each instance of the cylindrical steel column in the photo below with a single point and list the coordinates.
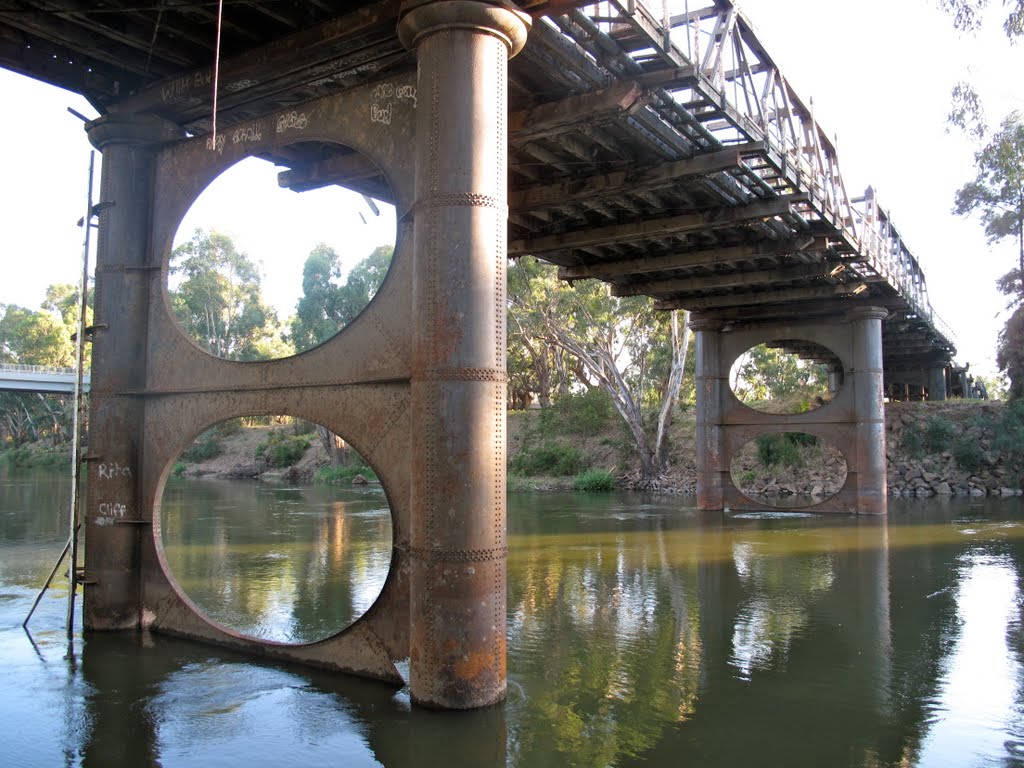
(937, 382)
(123, 274)
(457, 537)
(866, 327)
(710, 380)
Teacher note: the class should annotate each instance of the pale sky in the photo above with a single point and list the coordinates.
(879, 72)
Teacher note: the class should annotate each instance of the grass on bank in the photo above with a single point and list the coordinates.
(343, 475)
(552, 443)
(24, 457)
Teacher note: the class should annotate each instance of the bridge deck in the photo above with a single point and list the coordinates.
(666, 155)
(37, 378)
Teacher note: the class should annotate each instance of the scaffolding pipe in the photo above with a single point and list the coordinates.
(76, 424)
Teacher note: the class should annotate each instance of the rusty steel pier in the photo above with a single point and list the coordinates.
(656, 148)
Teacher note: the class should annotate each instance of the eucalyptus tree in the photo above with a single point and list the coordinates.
(619, 344)
(997, 191)
(217, 297)
(327, 305)
(996, 195)
(33, 337)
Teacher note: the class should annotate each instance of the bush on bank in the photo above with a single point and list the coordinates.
(594, 481)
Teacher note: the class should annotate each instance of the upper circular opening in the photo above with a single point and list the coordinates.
(786, 376)
(270, 261)
(294, 559)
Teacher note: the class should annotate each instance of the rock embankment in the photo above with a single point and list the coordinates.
(957, 448)
(819, 471)
(951, 449)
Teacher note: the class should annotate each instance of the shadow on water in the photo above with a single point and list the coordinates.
(639, 632)
(259, 714)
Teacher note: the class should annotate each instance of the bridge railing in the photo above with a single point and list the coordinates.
(44, 369)
(710, 62)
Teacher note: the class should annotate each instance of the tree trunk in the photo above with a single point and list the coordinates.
(543, 369)
(680, 346)
(337, 449)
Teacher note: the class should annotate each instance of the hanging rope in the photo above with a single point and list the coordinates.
(216, 69)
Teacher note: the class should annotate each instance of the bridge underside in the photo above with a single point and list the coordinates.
(603, 147)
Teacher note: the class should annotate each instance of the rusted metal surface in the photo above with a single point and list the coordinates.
(154, 389)
(458, 543)
(114, 500)
(852, 421)
(693, 174)
(671, 145)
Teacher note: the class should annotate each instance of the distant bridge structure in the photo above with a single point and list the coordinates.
(657, 148)
(39, 378)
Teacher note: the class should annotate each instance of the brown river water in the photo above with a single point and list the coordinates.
(640, 632)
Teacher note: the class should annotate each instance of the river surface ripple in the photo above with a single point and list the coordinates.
(640, 632)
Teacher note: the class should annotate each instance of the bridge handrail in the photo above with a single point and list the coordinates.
(44, 369)
(708, 52)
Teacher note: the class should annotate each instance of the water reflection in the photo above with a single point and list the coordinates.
(981, 693)
(288, 564)
(777, 609)
(640, 633)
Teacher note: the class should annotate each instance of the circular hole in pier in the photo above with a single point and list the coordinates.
(788, 470)
(280, 253)
(785, 377)
(263, 549)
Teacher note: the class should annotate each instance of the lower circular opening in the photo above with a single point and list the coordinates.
(276, 529)
(788, 470)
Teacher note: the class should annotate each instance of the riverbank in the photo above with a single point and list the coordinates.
(954, 448)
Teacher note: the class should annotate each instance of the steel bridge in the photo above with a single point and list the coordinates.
(654, 147)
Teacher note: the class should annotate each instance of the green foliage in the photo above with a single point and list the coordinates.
(1010, 353)
(216, 295)
(16, 456)
(996, 194)
(228, 428)
(24, 456)
(28, 337)
(997, 191)
(204, 447)
(282, 450)
(303, 427)
(555, 460)
(939, 435)
(518, 484)
(747, 477)
(782, 448)
(179, 468)
(768, 373)
(343, 475)
(327, 305)
(1009, 437)
(63, 301)
(564, 335)
(594, 481)
(968, 455)
(913, 440)
(586, 413)
(27, 417)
